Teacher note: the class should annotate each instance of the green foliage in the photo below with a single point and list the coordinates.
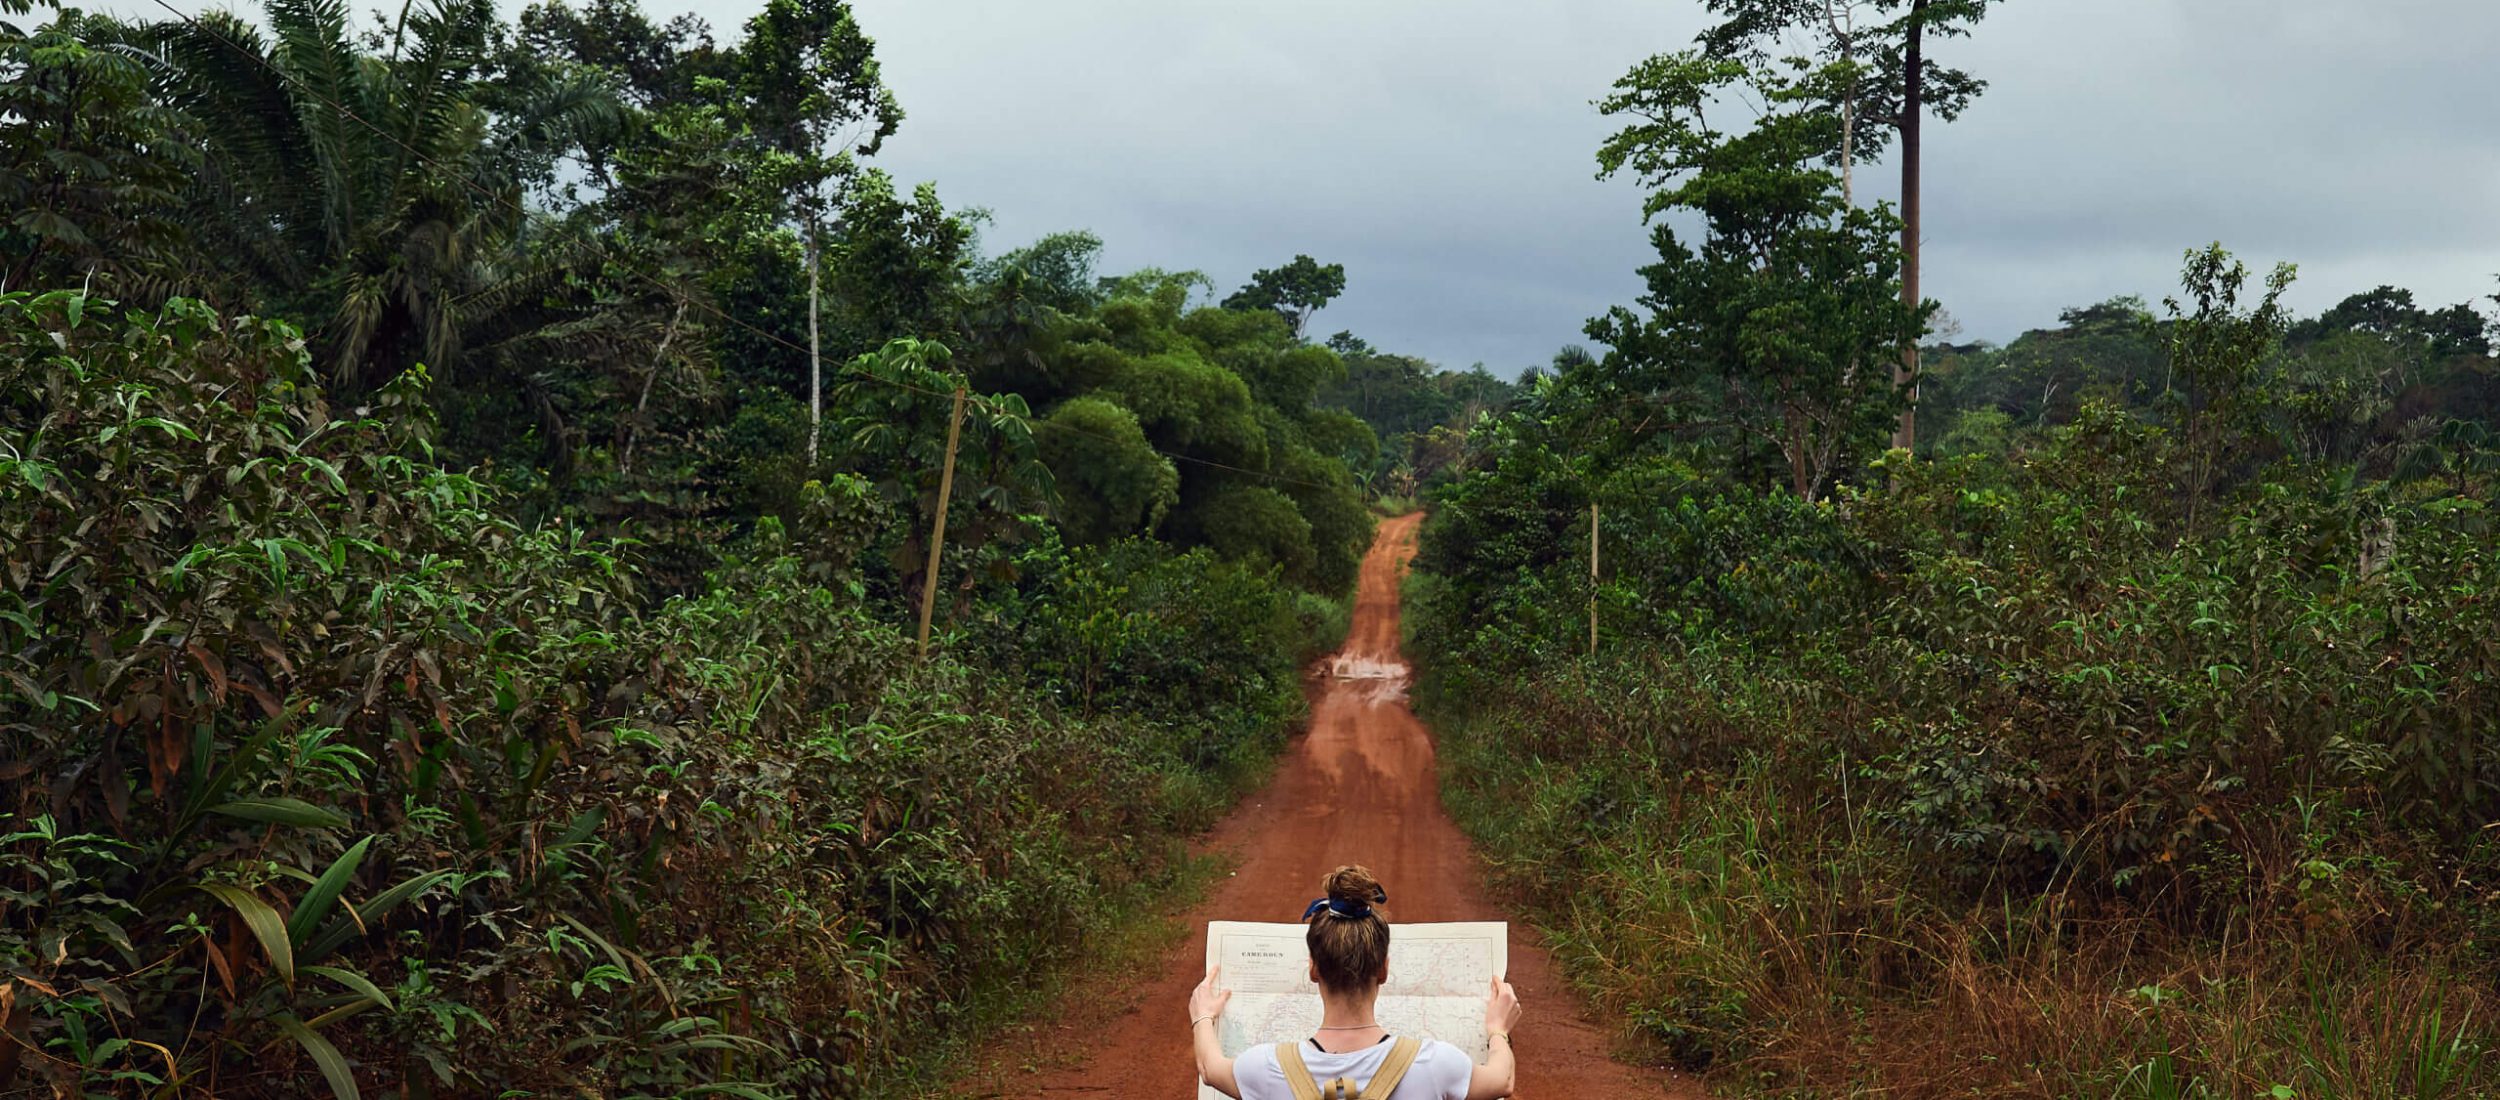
(1418, 415)
(1057, 270)
(1164, 417)
(893, 272)
(807, 74)
(322, 766)
(1772, 327)
(1252, 523)
(387, 197)
(1293, 292)
(1206, 649)
(897, 411)
(1869, 762)
(95, 163)
(1114, 482)
(651, 64)
(2368, 383)
(1863, 50)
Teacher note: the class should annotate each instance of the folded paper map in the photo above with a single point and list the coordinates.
(1437, 979)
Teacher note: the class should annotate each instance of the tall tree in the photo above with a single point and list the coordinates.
(809, 77)
(378, 198)
(1295, 291)
(1879, 72)
(1919, 82)
(1765, 327)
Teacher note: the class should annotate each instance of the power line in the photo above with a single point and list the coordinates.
(701, 305)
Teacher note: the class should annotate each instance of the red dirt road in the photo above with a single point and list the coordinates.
(1360, 788)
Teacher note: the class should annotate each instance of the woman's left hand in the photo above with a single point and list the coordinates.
(1208, 999)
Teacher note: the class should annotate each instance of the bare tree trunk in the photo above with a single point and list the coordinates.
(642, 405)
(1913, 72)
(1848, 155)
(1794, 449)
(1844, 33)
(815, 350)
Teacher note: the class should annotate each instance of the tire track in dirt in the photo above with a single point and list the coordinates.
(1361, 787)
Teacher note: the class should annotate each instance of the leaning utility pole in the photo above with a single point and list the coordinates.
(1592, 578)
(937, 533)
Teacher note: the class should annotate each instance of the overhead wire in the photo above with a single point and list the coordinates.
(698, 303)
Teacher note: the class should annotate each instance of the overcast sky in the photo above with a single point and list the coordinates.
(1443, 151)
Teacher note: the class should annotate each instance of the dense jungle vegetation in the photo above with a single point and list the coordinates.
(467, 486)
(2134, 731)
(465, 489)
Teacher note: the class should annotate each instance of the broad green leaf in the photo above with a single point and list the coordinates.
(264, 922)
(349, 925)
(282, 811)
(615, 956)
(325, 893)
(333, 1064)
(352, 1008)
(244, 761)
(355, 983)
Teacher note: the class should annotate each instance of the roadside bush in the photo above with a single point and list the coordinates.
(319, 770)
(2144, 759)
(1206, 650)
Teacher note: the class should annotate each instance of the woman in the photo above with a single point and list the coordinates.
(1349, 942)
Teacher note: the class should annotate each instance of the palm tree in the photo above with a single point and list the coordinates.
(91, 168)
(380, 198)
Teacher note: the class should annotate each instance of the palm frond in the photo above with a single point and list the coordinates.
(313, 51)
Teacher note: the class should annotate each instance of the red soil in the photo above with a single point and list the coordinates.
(1360, 788)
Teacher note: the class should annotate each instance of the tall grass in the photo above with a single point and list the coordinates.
(1772, 930)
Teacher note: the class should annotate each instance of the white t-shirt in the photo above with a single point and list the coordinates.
(1440, 1072)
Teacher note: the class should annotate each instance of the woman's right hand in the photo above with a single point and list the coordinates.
(1501, 1008)
(1208, 999)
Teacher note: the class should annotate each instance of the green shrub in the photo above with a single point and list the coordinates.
(321, 768)
(1927, 774)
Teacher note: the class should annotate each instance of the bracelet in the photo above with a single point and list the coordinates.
(1195, 1021)
(1497, 1035)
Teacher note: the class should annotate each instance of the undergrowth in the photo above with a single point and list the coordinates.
(324, 773)
(1771, 929)
(2153, 759)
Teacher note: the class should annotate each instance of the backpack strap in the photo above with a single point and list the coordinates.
(1297, 1075)
(1401, 1058)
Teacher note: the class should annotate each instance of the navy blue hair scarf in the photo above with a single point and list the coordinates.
(1355, 910)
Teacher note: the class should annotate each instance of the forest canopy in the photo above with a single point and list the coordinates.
(600, 235)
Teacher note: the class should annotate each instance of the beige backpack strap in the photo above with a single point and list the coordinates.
(1297, 1075)
(1401, 1058)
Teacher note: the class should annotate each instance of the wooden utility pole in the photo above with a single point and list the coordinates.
(1592, 578)
(937, 533)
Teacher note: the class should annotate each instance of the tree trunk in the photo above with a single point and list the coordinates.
(1844, 33)
(815, 351)
(1848, 139)
(642, 405)
(1913, 73)
(1794, 449)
